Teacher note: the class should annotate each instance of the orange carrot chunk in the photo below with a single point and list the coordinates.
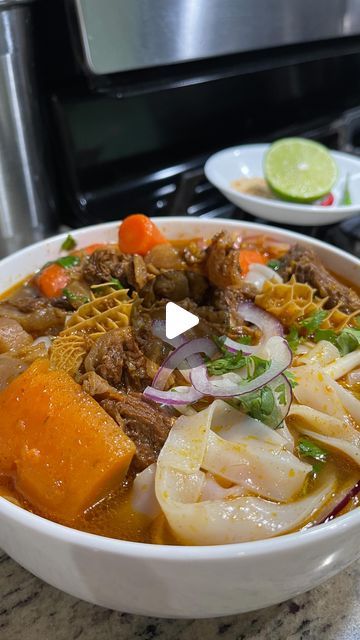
(248, 257)
(138, 234)
(52, 280)
(89, 249)
(63, 451)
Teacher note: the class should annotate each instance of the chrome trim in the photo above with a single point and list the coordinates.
(133, 34)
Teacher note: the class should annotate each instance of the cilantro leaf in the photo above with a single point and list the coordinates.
(69, 243)
(68, 261)
(325, 334)
(313, 322)
(346, 341)
(243, 340)
(115, 283)
(309, 449)
(274, 264)
(291, 378)
(281, 391)
(293, 338)
(228, 362)
(258, 404)
(74, 297)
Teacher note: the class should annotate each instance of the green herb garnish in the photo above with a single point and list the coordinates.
(274, 264)
(258, 404)
(293, 338)
(243, 340)
(313, 322)
(255, 366)
(69, 243)
(346, 197)
(68, 262)
(309, 449)
(74, 297)
(281, 391)
(346, 341)
(291, 378)
(229, 362)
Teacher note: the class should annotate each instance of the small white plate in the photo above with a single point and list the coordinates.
(246, 161)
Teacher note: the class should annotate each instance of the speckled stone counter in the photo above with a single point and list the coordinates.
(31, 610)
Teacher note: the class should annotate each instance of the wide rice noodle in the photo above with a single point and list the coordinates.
(222, 438)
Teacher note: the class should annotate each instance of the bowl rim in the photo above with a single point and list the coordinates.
(276, 203)
(287, 542)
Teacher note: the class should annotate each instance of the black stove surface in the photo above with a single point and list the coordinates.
(181, 188)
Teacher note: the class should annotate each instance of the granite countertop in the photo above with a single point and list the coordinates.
(31, 609)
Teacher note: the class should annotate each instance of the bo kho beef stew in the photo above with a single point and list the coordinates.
(243, 428)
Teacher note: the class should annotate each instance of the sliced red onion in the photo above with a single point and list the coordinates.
(186, 352)
(159, 331)
(176, 396)
(342, 504)
(223, 387)
(268, 325)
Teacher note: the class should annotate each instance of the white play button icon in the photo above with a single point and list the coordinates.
(178, 320)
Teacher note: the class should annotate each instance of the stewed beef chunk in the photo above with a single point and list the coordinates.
(116, 357)
(307, 267)
(143, 421)
(105, 264)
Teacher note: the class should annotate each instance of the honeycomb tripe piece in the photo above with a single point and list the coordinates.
(102, 314)
(288, 301)
(67, 353)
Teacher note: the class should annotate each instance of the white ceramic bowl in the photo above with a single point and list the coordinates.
(246, 161)
(175, 581)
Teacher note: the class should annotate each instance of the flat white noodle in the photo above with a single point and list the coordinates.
(237, 520)
(338, 444)
(343, 365)
(143, 498)
(181, 483)
(324, 424)
(314, 389)
(322, 354)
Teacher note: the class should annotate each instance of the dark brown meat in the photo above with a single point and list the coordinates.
(307, 267)
(116, 357)
(172, 285)
(34, 313)
(143, 421)
(175, 286)
(223, 266)
(105, 264)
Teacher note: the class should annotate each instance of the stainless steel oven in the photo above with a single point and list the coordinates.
(122, 102)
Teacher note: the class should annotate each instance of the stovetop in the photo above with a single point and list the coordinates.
(181, 188)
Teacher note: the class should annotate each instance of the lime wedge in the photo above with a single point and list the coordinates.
(299, 170)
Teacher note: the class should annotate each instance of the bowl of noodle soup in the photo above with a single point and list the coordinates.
(276, 513)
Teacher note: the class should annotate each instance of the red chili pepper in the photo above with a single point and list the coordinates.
(329, 200)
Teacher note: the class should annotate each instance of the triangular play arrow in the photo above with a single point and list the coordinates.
(178, 320)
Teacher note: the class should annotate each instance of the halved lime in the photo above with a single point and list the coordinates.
(299, 170)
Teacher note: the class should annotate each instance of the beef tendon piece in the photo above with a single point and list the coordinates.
(305, 265)
(35, 314)
(12, 335)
